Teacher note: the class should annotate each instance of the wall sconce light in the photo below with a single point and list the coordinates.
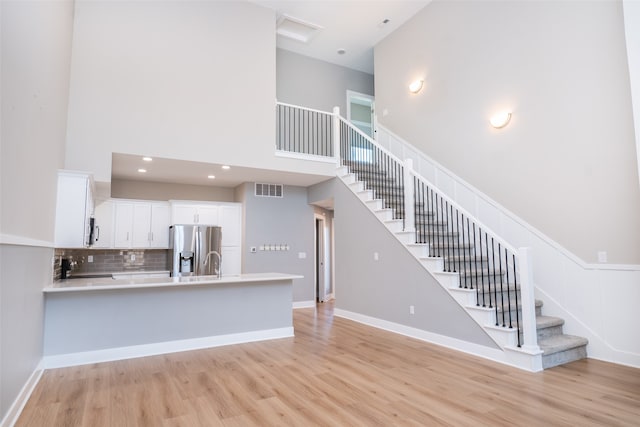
(416, 86)
(500, 120)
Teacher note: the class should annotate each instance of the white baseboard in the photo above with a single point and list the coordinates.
(496, 355)
(23, 397)
(119, 353)
(304, 304)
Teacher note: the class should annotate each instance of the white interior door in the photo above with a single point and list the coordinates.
(361, 112)
(321, 260)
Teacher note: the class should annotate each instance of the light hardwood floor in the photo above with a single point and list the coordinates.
(333, 373)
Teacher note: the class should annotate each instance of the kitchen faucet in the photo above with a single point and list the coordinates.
(206, 260)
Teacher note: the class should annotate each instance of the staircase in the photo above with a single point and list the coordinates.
(481, 285)
(488, 277)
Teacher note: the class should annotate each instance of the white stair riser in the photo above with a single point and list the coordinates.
(504, 336)
(375, 204)
(365, 195)
(465, 297)
(357, 186)
(405, 237)
(385, 214)
(395, 225)
(432, 264)
(419, 250)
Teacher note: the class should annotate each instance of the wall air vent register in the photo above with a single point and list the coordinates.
(268, 190)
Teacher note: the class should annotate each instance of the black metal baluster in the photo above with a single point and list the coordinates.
(495, 280)
(475, 264)
(484, 290)
(504, 322)
(506, 263)
(452, 237)
(486, 242)
(460, 248)
(445, 236)
(515, 286)
(464, 255)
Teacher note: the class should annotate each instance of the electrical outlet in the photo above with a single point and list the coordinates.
(133, 257)
(376, 257)
(412, 309)
(90, 258)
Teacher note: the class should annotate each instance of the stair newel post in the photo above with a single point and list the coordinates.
(409, 206)
(336, 134)
(528, 300)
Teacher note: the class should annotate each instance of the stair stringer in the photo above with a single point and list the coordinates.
(505, 338)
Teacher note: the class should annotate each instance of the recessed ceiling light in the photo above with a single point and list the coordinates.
(226, 167)
(147, 159)
(341, 51)
(142, 170)
(211, 176)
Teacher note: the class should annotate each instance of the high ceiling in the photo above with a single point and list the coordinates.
(353, 25)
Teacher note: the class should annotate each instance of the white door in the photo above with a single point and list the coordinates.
(361, 112)
(321, 261)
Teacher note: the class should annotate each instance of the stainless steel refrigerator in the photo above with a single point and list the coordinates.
(195, 250)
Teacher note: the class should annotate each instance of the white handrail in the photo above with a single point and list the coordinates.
(284, 104)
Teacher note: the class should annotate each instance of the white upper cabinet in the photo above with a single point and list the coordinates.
(139, 224)
(160, 222)
(194, 213)
(123, 225)
(74, 208)
(104, 221)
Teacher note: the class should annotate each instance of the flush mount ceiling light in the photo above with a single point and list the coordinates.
(226, 167)
(416, 86)
(142, 170)
(296, 29)
(341, 51)
(211, 176)
(147, 159)
(500, 120)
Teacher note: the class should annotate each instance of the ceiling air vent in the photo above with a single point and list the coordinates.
(296, 29)
(268, 190)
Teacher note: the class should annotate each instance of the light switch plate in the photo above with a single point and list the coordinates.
(302, 255)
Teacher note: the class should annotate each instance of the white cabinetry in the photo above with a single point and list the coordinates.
(188, 213)
(104, 221)
(140, 224)
(231, 260)
(74, 208)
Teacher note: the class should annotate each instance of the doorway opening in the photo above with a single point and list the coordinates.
(361, 112)
(322, 260)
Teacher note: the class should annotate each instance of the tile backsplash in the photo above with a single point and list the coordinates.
(110, 260)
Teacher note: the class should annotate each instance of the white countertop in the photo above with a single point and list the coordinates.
(105, 283)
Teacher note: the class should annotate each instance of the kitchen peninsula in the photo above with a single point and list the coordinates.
(94, 320)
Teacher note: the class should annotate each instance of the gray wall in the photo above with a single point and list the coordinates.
(317, 84)
(385, 289)
(128, 189)
(287, 220)
(567, 161)
(36, 50)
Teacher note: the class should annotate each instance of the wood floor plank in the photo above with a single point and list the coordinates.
(334, 372)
